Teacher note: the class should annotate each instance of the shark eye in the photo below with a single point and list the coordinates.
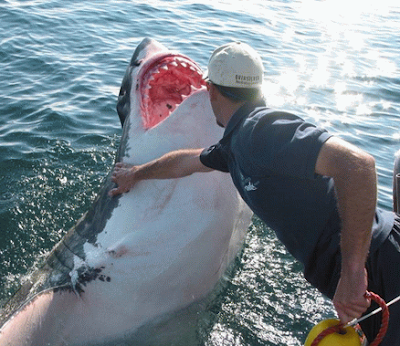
(137, 62)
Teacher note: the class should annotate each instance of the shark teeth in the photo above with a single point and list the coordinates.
(167, 84)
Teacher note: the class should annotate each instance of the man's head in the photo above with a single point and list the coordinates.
(236, 70)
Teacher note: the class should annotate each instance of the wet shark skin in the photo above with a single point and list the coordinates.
(135, 258)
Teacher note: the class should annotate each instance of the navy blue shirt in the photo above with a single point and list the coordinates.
(271, 157)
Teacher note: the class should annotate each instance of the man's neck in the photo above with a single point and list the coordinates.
(228, 109)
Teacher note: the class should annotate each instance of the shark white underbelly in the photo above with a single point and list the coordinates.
(149, 253)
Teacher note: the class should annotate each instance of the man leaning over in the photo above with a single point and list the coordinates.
(315, 190)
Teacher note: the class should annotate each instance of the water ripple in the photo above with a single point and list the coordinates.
(334, 63)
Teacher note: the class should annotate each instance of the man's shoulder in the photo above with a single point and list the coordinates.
(262, 121)
(265, 114)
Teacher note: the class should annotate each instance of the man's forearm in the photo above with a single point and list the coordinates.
(357, 194)
(175, 164)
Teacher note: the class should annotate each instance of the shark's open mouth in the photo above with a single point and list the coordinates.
(165, 83)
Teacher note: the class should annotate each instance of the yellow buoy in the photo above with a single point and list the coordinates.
(350, 338)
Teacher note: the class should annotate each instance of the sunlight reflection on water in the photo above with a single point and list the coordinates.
(334, 62)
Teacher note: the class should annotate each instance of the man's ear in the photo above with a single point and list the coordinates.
(214, 92)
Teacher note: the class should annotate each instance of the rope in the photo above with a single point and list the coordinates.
(339, 327)
(385, 318)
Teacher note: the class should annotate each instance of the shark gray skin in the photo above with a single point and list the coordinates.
(137, 259)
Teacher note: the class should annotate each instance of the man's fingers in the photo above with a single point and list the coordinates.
(117, 191)
(120, 177)
(114, 192)
(348, 312)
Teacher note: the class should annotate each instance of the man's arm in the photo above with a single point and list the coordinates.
(175, 164)
(354, 174)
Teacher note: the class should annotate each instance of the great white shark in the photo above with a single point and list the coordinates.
(137, 259)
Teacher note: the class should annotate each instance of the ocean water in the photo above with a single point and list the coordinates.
(336, 63)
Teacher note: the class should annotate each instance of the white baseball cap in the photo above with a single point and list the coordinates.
(235, 65)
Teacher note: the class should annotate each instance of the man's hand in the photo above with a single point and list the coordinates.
(175, 164)
(123, 176)
(349, 300)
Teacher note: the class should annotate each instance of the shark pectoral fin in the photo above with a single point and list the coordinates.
(41, 321)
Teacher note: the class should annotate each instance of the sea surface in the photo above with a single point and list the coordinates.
(334, 62)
